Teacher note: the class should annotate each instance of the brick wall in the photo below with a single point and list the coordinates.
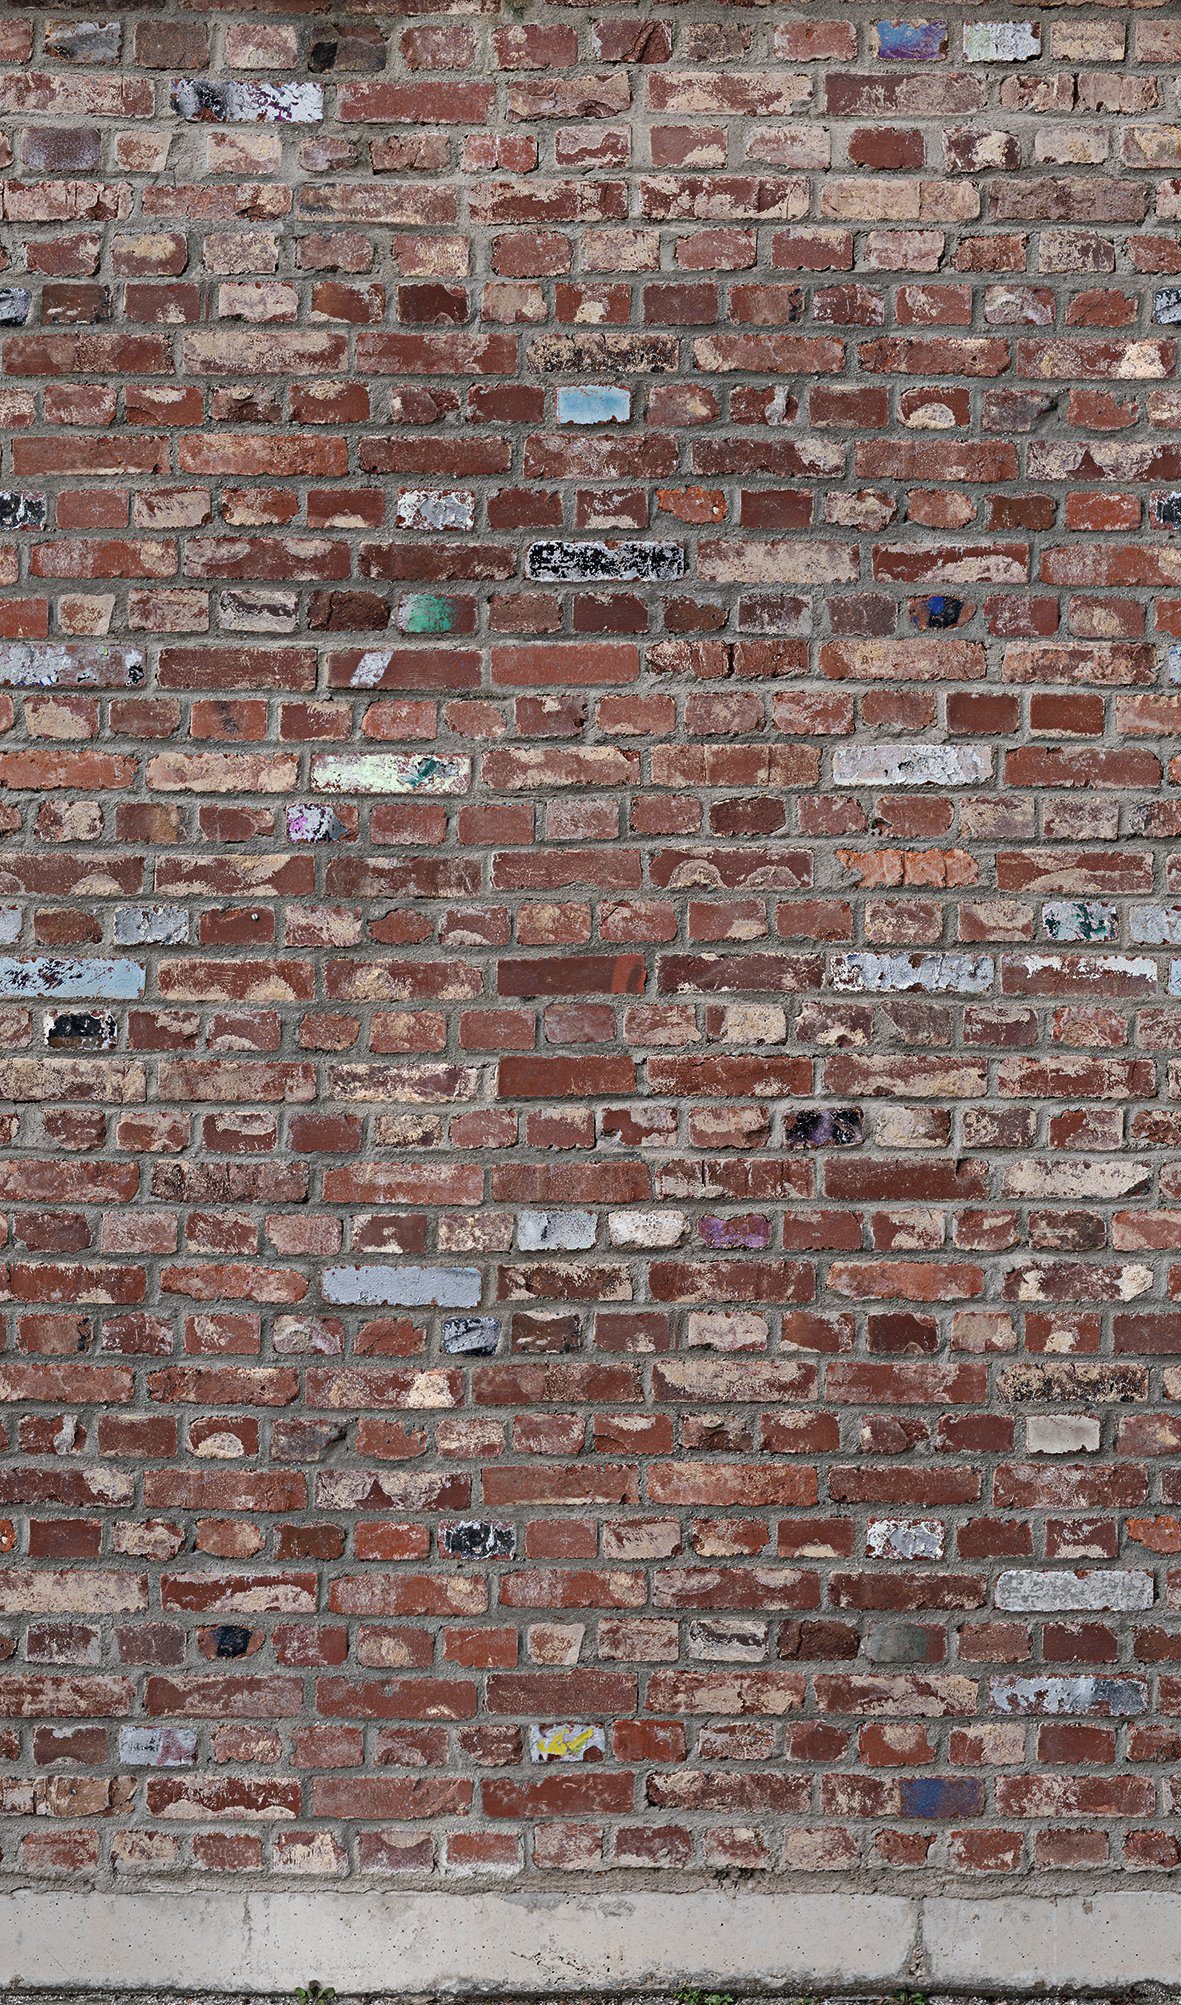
(591, 661)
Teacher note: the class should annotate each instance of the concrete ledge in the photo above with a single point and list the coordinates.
(450, 1943)
(482, 1944)
(1078, 1939)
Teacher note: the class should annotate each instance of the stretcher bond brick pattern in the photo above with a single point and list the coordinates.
(590, 941)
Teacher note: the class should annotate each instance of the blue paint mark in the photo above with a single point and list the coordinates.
(931, 1796)
(944, 612)
(910, 41)
(593, 404)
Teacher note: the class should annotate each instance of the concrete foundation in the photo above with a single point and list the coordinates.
(542, 1945)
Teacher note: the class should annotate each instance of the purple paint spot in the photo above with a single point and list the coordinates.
(824, 1127)
(750, 1230)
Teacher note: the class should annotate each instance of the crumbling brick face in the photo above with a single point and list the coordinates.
(590, 676)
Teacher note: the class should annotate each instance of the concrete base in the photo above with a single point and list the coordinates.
(483, 1944)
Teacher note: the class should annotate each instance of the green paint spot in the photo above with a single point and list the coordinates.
(426, 613)
(1080, 919)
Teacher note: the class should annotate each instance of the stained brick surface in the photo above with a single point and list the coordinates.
(590, 676)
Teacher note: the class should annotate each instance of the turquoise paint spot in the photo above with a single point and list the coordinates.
(1080, 919)
(425, 613)
(593, 404)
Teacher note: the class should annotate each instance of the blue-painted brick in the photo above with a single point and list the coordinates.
(931, 1796)
(910, 41)
(593, 404)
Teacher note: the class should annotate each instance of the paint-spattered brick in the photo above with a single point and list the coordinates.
(22, 511)
(902, 1538)
(29, 665)
(65, 976)
(235, 103)
(1080, 919)
(823, 1128)
(656, 1228)
(941, 1796)
(1059, 1693)
(1063, 1434)
(311, 821)
(403, 1287)
(471, 1336)
(911, 765)
(593, 404)
(474, 1539)
(157, 1747)
(556, 1231)
(910, 41)
(935, 974)
(1045, 1591)
(1002, 41)
(567, 1742)
(150, 926)
(84, 41)
(426, 613)
(80, 1030)
(1155, 925)
(431, 509)
(390, 773)
(580, 563)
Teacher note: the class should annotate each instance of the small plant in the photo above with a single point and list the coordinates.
(314, 1993)
(690, 1997)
